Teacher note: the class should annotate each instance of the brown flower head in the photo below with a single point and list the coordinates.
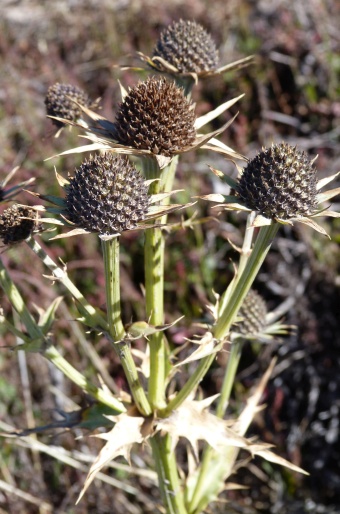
(17, 223)
(188, 47)
(156, 116)
(187, 51)
(60, 102)
(107, 195)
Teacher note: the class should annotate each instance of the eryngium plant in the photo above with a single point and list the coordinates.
(17, 223)
(156, 116)
(188, 47)
(61, 102)
(107, 195)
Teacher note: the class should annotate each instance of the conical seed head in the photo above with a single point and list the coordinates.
(253, 313)
(280, 182)
(107, 195)
(156, 116)
(187, 46)
(60, 100)
(13, 228)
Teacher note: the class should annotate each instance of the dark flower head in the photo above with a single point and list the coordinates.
(60, 102)
(17, 223)
(107, 195)
(279, 183)
(252, 315)
(188, 47)
(156, 116)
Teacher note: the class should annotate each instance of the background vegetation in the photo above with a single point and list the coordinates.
(292, 94)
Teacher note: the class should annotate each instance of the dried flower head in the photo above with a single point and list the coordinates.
(17, 223)
(155, 120)
(156, 116)
(279, 183)
(252, 314)
(61, 101)
(188, 47)
(187, 51)
(107, 195)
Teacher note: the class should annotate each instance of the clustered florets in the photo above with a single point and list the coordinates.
(107, 195)
(17, 223)
(188, 47)
(60, 102)
(252, 314)
(279, 183)
(156, 116)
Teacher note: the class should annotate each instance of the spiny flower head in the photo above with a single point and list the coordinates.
(106, 195)
(17, 223)
(60, 102)
(252, 314)
(156, 116)
(188, 47)
(279, 183)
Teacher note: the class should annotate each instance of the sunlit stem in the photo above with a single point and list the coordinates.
(154, 282)
(168, 479)
(117, 333)
(48, 350)
(229, 377)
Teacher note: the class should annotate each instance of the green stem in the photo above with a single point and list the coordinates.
(229, 312)
(165, 458)
(154, 283)
(212, 463)
(246, 279)
(61, 276)
(229, 377)
(51, 353)
(168, 479)
(117, 333)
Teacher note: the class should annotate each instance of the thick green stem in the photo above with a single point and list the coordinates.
(117, 333)
(50, 352)
(154, 283)
(165, 458)
(168, 479)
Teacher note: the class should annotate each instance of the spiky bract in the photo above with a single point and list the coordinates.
(279, 183)
(156, 116)
(188, 47)
(107, 195)
(17, 223)
(60, 102)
